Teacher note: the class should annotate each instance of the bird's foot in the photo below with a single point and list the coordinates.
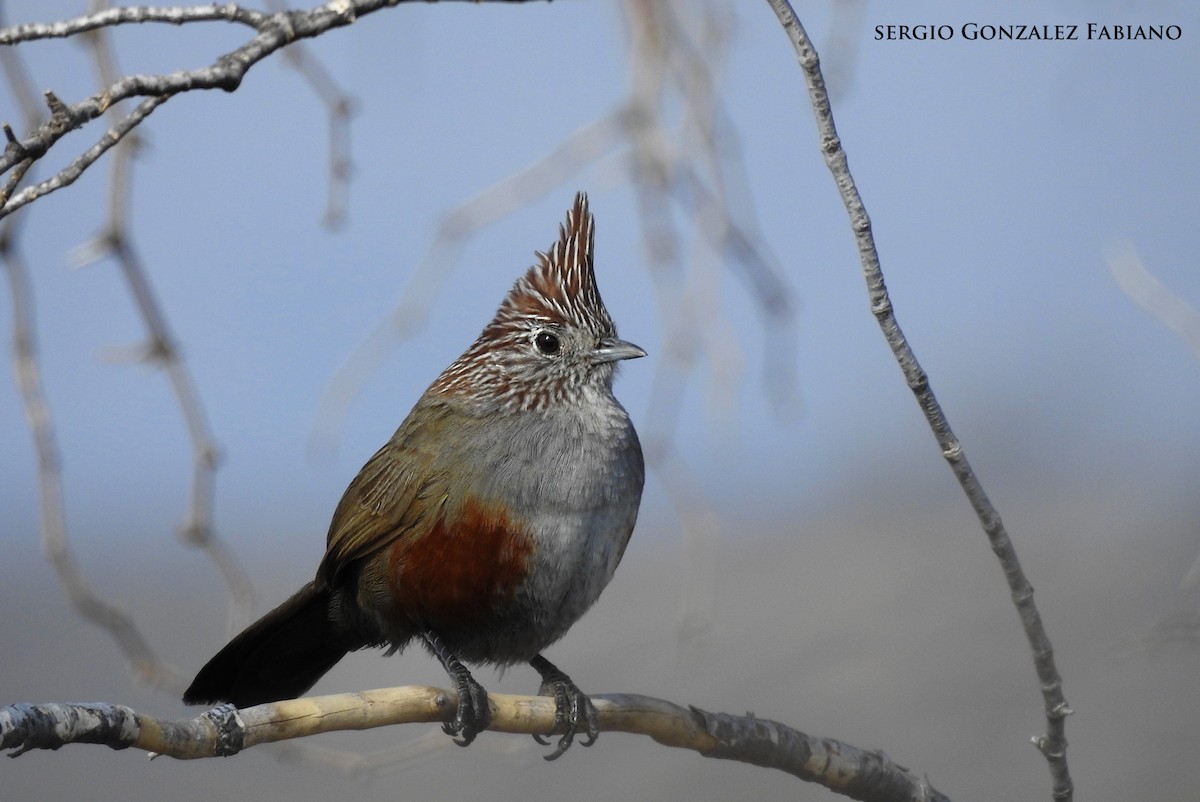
(474, 714)
(573, 712)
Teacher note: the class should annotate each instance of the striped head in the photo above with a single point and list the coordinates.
(552, 340)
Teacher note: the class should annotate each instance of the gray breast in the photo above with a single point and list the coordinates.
(575, 476)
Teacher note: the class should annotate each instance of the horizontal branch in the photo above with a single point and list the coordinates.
(109, 17)
(225, 730)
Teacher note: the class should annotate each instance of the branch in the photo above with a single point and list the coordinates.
(1146, 290)
(111, 17)
(274, 32)
(160, 349)
(69, 174)
(225, 730)
(1053, 744)
(340, 107)
(90, 605)
(27, 376)
(27, 369)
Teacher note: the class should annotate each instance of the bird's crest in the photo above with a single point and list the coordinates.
(558, 293)
(561, 287)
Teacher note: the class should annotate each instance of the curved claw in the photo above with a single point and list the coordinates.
(574, 712)
(454, 729)
(473, 714)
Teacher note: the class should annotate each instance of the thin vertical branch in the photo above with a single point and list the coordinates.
(340, 107)
(28, 378)
(1052, 744)
(160, 348)
(55, 541)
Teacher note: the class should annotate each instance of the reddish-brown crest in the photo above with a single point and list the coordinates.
(558, 292)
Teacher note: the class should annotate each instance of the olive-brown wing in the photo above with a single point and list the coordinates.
(400, 492)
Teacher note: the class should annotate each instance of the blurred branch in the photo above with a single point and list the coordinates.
(116, 242)
(842, 44)
(1145, 289)
(225, 730)
(55, 542)
(1182, 319)
(28, 378)
(340, 107)
(1053, 744)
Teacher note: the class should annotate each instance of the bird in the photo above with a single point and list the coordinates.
(487, 525)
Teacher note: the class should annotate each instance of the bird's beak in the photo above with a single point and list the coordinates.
(611, 350)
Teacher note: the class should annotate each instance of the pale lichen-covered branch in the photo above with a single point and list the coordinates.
(226, 730)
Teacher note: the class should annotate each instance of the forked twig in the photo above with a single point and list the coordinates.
(273, 32)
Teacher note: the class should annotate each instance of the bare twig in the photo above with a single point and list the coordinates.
(69, 174)
(225, 730)
(274, 32)
(1053, 744)
(112, 17)
(15, 177)
(340, 107)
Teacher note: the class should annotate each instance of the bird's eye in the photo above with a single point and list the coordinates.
(547, 343)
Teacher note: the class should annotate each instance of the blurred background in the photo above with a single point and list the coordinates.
(802, 552)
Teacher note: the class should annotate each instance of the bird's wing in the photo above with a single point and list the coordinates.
(399, 492)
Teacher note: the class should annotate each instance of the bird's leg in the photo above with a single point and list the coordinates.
(473, 714)
(573, 710)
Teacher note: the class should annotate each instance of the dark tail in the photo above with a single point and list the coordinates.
(280, 656)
